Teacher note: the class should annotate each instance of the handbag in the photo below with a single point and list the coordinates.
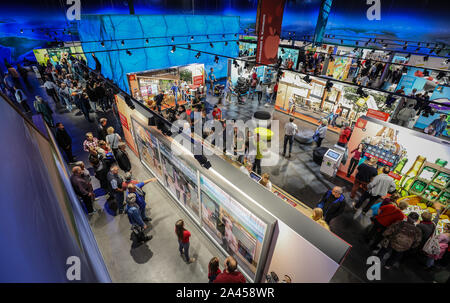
(432, 246)
(384, 243)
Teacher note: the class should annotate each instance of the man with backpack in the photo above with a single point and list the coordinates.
(137, 224)
(401, 237)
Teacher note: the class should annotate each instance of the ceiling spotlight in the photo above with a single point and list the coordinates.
(226, 43)
(307, 79)
(417, 49)
(367, 43)
(122, 42)
(32, 30)
(173, 39)
(216, 59)
(146, 40)
(237, 42)
(357, 43)
(207, 36)
(189, 46)
(342, 41)
(404, 47)
(198, 55)
(408, 56)
(355, 49)
(428, 44)
(21, 30)
(235, 35)
(102, 44)
(223, 36)
(129, 53)
(173, 49)
(210, 44)
(192, 38)
(425, 58)
(418, 43)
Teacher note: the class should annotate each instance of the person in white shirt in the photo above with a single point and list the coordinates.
(265, 181)
(291, 109)
(290, 129)
(269, 92)
(183, 86)
(51, 89)
(247, 168)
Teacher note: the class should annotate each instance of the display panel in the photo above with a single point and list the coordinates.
(147, 146)
(180, 179)
(233, 227)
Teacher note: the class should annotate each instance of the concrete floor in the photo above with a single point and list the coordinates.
(158, 260)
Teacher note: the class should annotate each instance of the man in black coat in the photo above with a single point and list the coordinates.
(122, 158)
(101, 129)
(64, 141)
(332, 203)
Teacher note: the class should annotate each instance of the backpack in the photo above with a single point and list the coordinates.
(405, 237)
(432, 247)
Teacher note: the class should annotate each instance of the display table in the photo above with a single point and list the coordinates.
(420, 208)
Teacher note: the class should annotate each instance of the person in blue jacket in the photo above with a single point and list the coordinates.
(133, 212)
(332, 203)
(136, 189)
(439, 125)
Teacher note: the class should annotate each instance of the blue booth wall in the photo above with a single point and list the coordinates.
(116, 64)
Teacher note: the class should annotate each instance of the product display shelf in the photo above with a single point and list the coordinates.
(443, 188)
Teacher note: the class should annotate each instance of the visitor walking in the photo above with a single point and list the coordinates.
(401, 237)
(51, 88)
(43, 108)
(122, 158)
(21, 98)
(259, 91)
(101, 129)
(113, 140)
(344, 135)
(405, 115)
(64, 141)
(365, 172)
(380, 186)
(183, 236)
(320, 132)
(290, 129)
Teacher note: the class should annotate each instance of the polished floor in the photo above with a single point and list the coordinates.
(158, 260)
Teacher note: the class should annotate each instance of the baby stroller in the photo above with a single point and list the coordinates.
(241, 90)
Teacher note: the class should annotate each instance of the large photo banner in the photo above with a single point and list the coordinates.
(268, 28)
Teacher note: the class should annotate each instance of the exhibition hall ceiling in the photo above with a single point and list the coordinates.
(400, 19)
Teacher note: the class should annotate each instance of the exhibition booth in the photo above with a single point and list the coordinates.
(418, 162)
(55, 54)
(233, 210)
(313, 100)
(242, 69)
(189, 79)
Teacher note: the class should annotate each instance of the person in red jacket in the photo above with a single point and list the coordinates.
(345, 134)
(183, 236)
(388, 214)
(230, 274)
